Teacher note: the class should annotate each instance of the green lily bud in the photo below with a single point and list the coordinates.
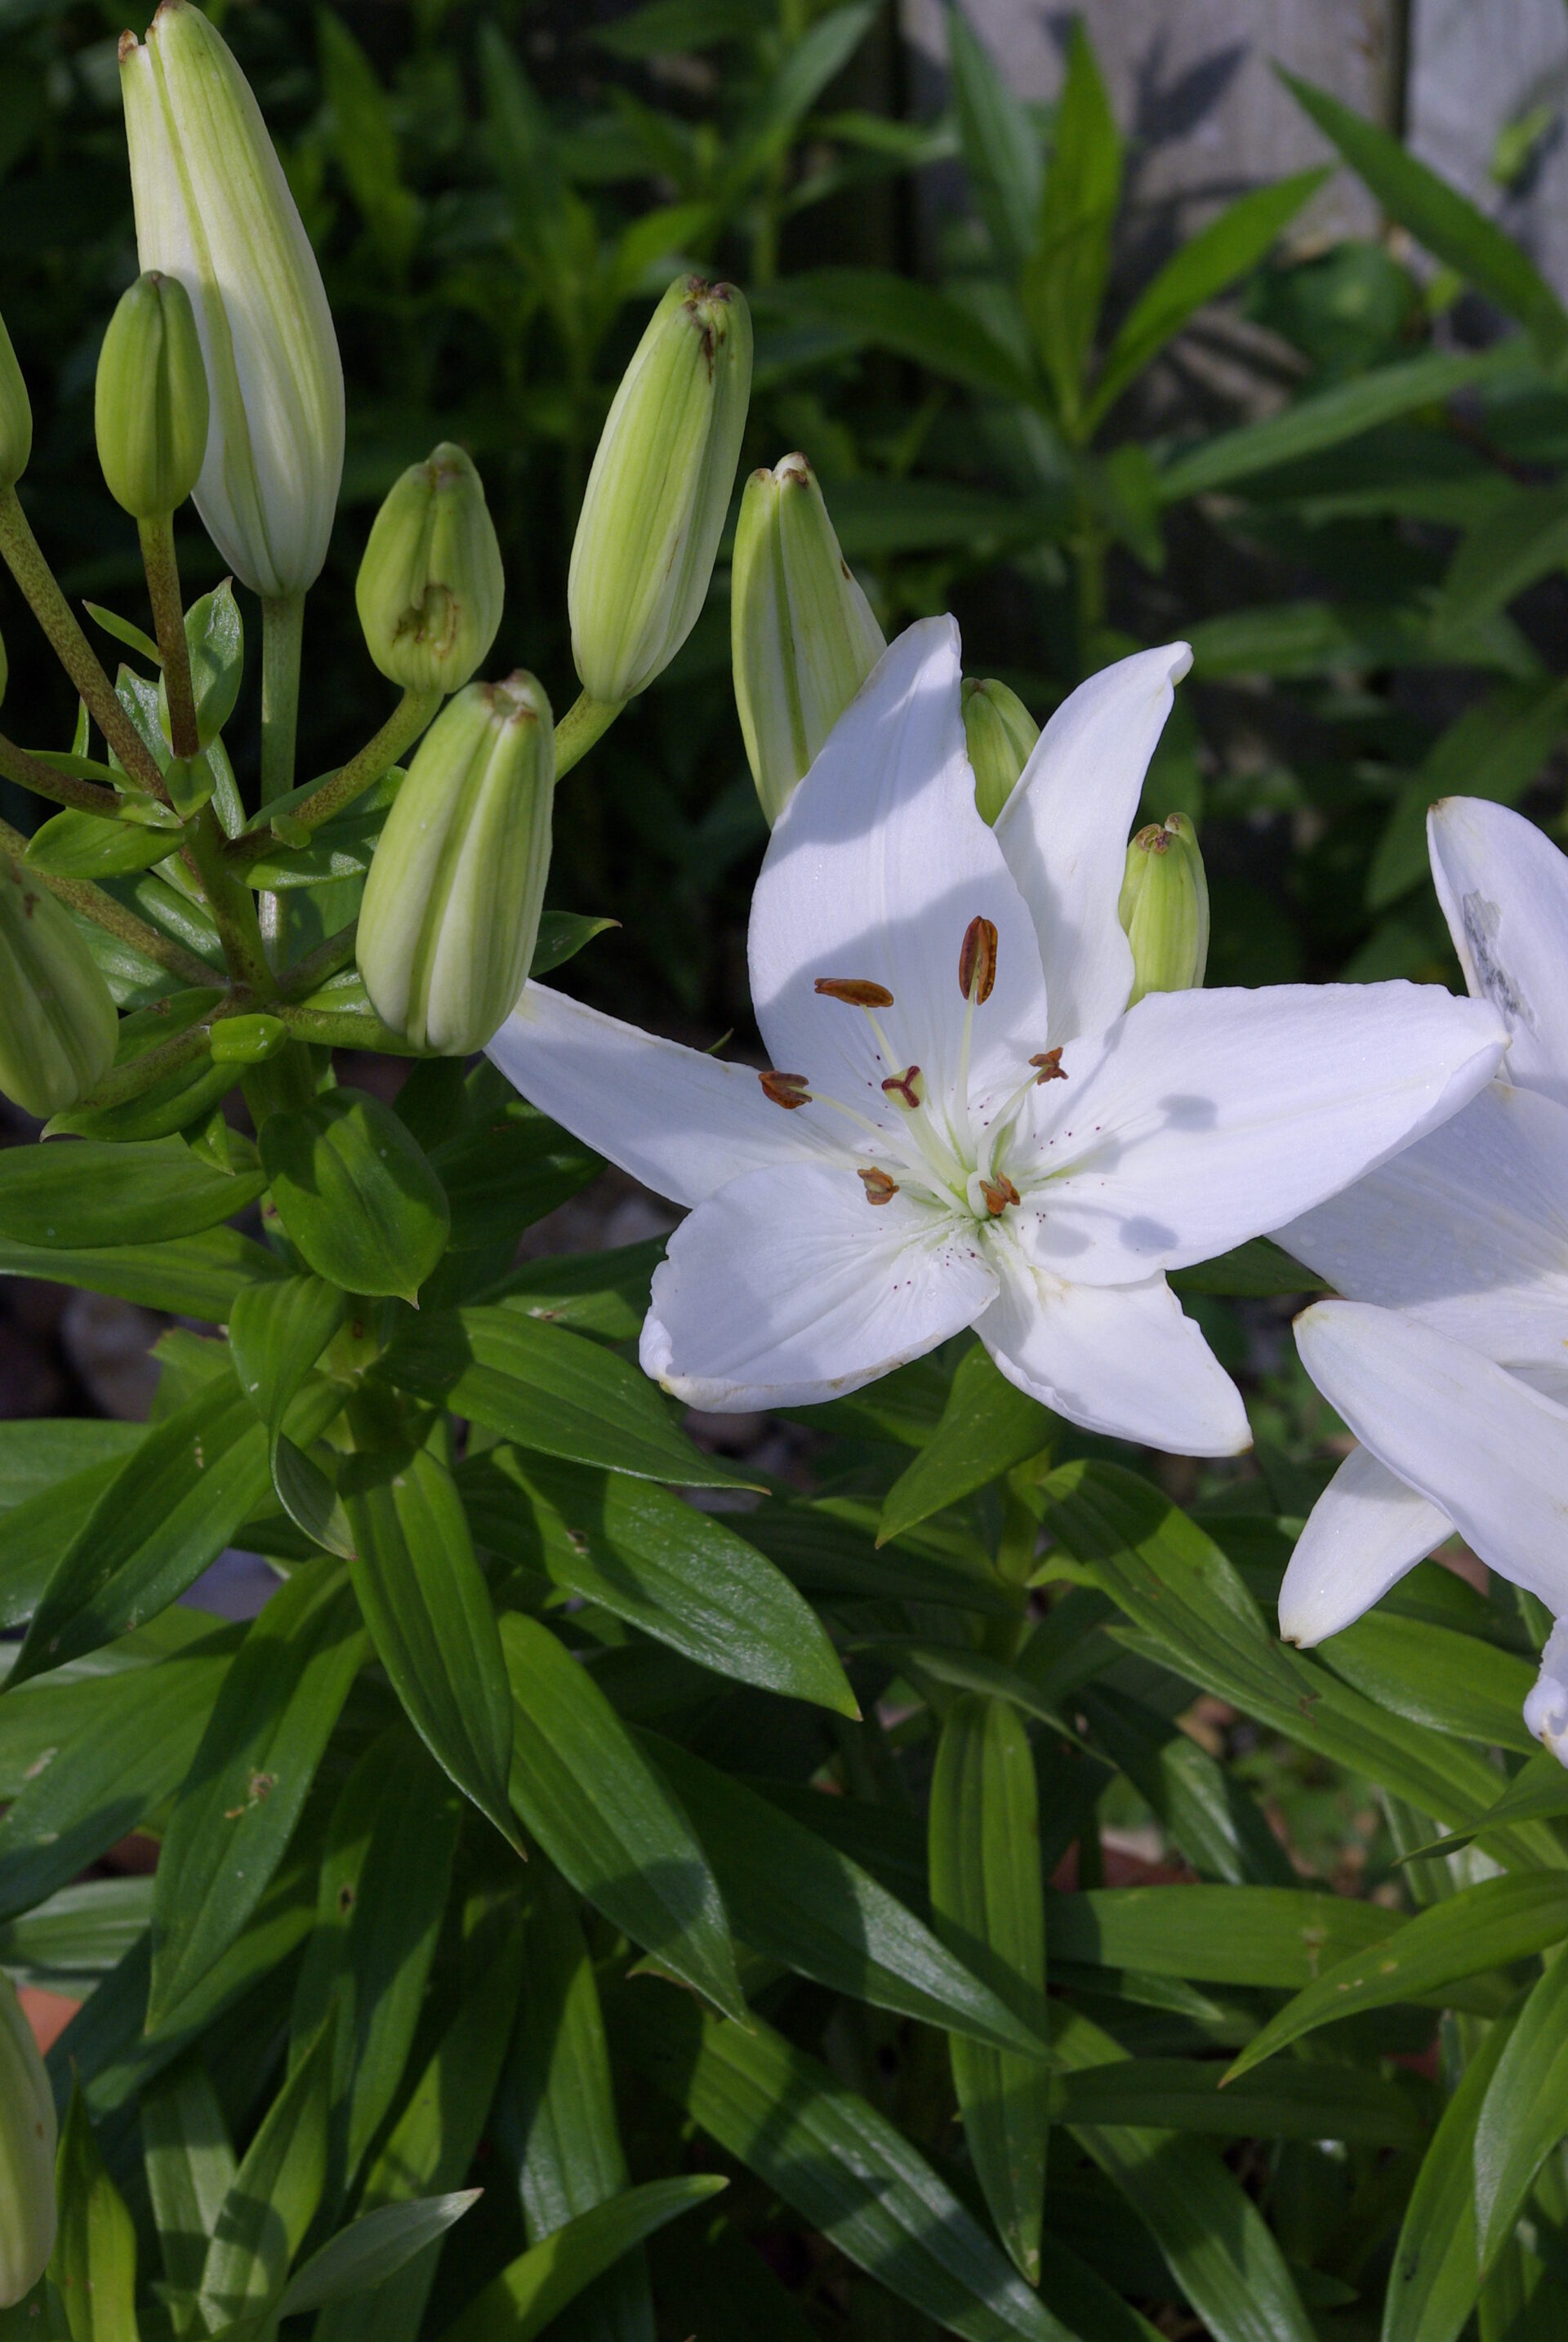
(214, 209)
(150, 403)
(450, 909)
(802, 635)
(27, 2138)
(659, 490)
(58, 1027)
(1165, 907)
(1000, 735)
(431, 584)
(15, 416)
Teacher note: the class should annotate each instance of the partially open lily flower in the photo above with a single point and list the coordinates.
(961, 1127)
(1460, 1398)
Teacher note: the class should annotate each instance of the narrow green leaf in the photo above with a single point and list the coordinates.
(1495, 749)
(988, 1899)
(1310, 639)
(595, 1292)
(94, 2268)
(429, 1613)
(38, 1453)
(190, 2166)
(506, 1172)
(277, 1331)
(1064, 281)
(807, 66)
(841, 2165)
(190, 1277)
(1538, 1792)
(1437, 1677)
(536, 2288)
(896, 313)
(82, 1192)
(1516, 543)
(604, 1817)
(562, 935)
(79, 845)
(1279, 1936)
(1522, 2118)
(272, 2197)
(250, 1778)
(1256, 1271)
(1289, 2101)
(356, 1194)
(124, 632)
(987, 1426)
(1203, 1809)
(67, 1943)
(1483, 1927)
(1002, 148)
(373, 2248)
(1436, 2270)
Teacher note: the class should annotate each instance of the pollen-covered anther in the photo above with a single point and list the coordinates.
(788, 1090)
(977, 961)
(879, 1187)
(1050, 1066)
(905, 1088)
(854, 991)
(998, 1193)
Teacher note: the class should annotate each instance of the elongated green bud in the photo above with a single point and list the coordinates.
(15, 416)
(451, 910)
(57, 1022)
(1000, 735)
(431, 585)
(149, 405)
(802, 635)
(659, 490)
(28, 2136)
(1165, 907)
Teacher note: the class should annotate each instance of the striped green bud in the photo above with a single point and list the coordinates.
(15, 416)
(1000, 735)
(28, 2136)
(659, 490)
(1165, 907)
(58, 1028)
(431, 584)
(802, 635)
(452, 904)
(150, 404)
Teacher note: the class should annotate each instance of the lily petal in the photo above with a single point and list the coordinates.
(1504, 887)
(1205, 1117)
(1467, 1230)
(1475, 1441)
(1546, 1709)
(1122, 1359)
(788, 1288)
(680, 1121)
(1064, 831)
(1365, 1532)
(875, 870)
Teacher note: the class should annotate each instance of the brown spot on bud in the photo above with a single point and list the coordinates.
(998, 1193)
(855, 991)
(905, 1088)
(1154, 839)
(977, 961)
(128, 42)
(788, 1090)
(879, 1187)
(1051, 1068)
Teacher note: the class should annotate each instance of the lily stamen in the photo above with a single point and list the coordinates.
(976, 961)
(1052, 1069)
(854, 991)
(879, 1187)
(999, 1193)
(788, 1090)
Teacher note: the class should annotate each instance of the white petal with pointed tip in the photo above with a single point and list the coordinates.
(875, 870)
(1546, 1709)
(1362, 1535)
(1468, 1229)
(680, 1121)
(1122, 1359)
(1475, 1441)
(1504, 887)
(788, 1288)
(1064, 830)
(1200, 1113)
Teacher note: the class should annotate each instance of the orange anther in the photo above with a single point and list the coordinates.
(788, 1090)
(998, 1193)
(1052, 1069)
(879, 1187)
(977, 961)
(855, 991)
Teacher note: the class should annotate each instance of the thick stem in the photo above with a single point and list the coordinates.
(92, 903)
(325, 960)
(134, 1079)
(283, 632)
(341, 1030)
(401, 729)
(586, 721)
(61, 788)
(233, 907)
(33, 574)
(163, 571)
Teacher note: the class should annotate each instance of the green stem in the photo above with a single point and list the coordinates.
(586, 721)
(139, 1074)
(283, 634)
(61, 788)
(24, 559)
(342, 1030)
(158, 559)
(1090, 550)
(233, 907)
(92, 903)
(325, 960)
(379, 754)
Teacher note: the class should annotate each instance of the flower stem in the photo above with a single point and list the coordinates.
(61, 788)
(92, 903)
(379, 754)
(325, 960)
(24, 559)
(139, 1074)
(341, 1030)
(586, 721)
(163, 570)
(283, 633)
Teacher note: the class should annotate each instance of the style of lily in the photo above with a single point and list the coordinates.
(1447, 1358)
(960, 1125)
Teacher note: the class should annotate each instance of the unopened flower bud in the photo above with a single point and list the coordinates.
(431, 584)
(802, 635)
(150, 405)
(1165, 907)
(214, 209)
(27, 2138)
(15, 416)
(450, 909)
(659, 490)
(1000, 735)
(58, 1028)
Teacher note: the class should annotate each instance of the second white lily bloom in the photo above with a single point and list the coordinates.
(961, 1126)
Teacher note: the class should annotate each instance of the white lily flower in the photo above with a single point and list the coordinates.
(963, 1127)
(1465, 1235)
